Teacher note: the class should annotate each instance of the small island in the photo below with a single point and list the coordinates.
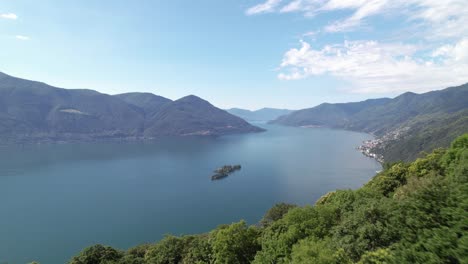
(224, 171)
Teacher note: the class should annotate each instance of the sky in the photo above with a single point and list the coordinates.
(239, 53)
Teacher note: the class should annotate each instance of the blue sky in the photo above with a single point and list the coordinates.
(239, 53)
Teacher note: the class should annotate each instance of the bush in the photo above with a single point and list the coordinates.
(235, 243)
(97, 254)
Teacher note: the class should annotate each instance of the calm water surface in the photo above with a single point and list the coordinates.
(57, 199)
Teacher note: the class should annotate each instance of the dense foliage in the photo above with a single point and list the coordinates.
(409, 213)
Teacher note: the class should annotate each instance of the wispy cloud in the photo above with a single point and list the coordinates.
(374, 67)
(371, 66)
(443, 18)
(21, 37)
(364, 9)
(268, 6)
(9, 16)
(311, 33)
(297, 5)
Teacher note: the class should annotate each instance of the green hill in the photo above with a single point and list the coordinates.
(148, 103)
(424, 134)
(406, 125)
(34, 111)
(192, 115)
(330, 115)
(409, 213)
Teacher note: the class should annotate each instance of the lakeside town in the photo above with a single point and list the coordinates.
(370, 148)
(367, 148)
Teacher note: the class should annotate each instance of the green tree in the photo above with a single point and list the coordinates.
(318, 251)
(276, 213)
(198, 249)
(167, 251)
(139, 251)
(387, 181)
(380, 256)
(97, 254)
(235, 244)
(369, 226)
(299, 223)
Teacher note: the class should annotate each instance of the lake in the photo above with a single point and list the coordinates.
(58, 199)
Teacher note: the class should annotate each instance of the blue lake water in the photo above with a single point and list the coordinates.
(57, 199)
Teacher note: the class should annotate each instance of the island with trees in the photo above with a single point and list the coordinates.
(225, 171)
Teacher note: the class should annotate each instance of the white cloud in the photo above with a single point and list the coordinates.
(21, 37)
(308, 7)
(384, 66)
(448, 18)
(311, 33)
(445, 18)
(9, 16)
(293, 6)
(457, 52)
(373, 67)
(365, 9)
(266, 7)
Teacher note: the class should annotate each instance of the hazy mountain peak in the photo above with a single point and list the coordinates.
(264, 114)
(139, 99)
(272, 109)
(136, 94)
(148, 103)
(192, 99)
(407, 94)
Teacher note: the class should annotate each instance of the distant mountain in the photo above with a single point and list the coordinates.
(331, 115)
(406, 125)
(31, 110)
(192, 115)
(148, 102)
(264, 114)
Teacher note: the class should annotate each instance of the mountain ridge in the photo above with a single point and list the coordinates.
(263, 114)
(35, 111)
(391, 120)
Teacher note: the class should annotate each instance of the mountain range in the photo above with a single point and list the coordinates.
(31, 110)
(264, 114)
(404, 126)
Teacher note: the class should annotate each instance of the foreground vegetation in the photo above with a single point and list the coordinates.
(409, 213)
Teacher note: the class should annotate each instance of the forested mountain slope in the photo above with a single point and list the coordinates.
(34, 111)
(405, 125)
